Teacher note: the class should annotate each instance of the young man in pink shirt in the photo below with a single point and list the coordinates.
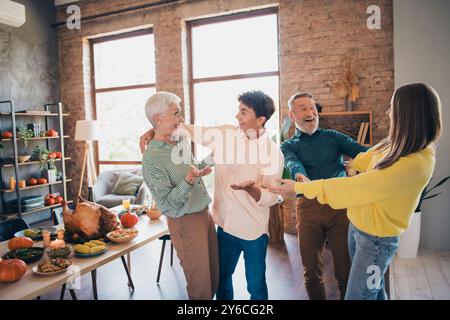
(246, 159)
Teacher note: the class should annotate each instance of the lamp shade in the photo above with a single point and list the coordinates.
(87, 130)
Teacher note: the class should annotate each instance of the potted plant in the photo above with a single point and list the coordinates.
(409, 239)
(24, 134)
(47, 162)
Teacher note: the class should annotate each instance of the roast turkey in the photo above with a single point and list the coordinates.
(89, 220)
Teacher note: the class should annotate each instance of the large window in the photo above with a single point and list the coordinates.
(231, 55)
(123, 79)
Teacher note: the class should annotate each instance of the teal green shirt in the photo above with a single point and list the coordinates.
(164, 167)
(320, 155)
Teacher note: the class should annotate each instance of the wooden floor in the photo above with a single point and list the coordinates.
(284, 276)
(426, 277)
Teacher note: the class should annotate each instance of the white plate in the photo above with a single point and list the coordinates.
(36, 270)
(122, 240)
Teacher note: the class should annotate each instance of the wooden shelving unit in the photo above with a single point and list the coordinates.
(52, 115)
(35, 186)
(30, 114)
(351, 119)
(14, 214)
(29, 163)
(34, 138)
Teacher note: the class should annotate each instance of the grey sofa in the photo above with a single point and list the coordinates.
(105, 183)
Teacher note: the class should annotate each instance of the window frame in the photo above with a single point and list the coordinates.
(225, 18)
(94, 90)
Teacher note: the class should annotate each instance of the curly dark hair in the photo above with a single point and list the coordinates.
(260, 102)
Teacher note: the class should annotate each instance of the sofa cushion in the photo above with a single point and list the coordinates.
(113, 200)
(127, 184)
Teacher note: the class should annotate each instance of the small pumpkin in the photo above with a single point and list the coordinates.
(12, 270)
(129, 219)
(20, 243)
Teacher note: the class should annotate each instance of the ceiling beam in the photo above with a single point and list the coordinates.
(62, 2)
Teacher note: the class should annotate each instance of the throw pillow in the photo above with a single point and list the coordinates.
(127, 184)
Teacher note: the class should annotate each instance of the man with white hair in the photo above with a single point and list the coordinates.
(313, 154)
(174, 179)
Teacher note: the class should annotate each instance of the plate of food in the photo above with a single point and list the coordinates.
(52, 266)
(90, 249)
(36, 233)
(138, 210)
(28, 255)
(63, 252)
(122, 235)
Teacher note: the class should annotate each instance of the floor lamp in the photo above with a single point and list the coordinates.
(87, 130)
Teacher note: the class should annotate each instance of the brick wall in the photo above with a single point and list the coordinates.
(315, 35)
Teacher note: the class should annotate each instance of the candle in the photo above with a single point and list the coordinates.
(60, 234)
(46, 238)
(12, 183)
(56, 244)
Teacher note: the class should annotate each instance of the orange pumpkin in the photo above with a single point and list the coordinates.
(12, 270)
(19, 243)
(129, 219)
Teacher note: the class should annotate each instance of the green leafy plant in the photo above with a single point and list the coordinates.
(427, 190)
(24, 134)
(42, 155)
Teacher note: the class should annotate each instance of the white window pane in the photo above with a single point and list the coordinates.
(216, 102)
(235, 47)
(124, 62)
(122, 117)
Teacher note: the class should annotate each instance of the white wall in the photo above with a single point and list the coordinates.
(422, 54)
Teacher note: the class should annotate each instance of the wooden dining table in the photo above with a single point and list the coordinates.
(32, 285)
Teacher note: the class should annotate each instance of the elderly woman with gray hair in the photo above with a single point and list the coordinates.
(174, 179)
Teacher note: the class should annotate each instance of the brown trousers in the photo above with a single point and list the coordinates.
(195, 241)
(317, 223)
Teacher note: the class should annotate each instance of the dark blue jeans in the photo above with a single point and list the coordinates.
(230, 248)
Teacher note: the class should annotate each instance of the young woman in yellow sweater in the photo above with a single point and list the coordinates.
(381, 199)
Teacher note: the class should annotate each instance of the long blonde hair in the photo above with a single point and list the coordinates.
(415, 122)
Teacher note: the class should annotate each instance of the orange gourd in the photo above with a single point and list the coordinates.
(12, 270)
(19, 243)
(129, 219)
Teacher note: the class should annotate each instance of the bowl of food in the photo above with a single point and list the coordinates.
(24, 158)
(62, 253)
(153, 213)
(122, 235)
(28, 255)
(52, 266)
